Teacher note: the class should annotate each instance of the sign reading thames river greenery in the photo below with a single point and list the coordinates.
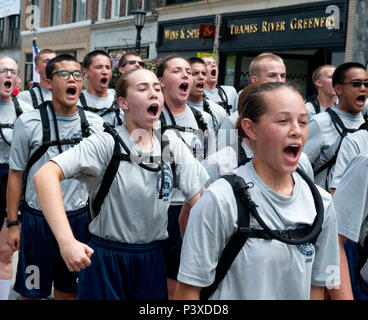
(321, 24)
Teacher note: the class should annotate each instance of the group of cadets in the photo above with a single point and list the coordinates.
(172, 186)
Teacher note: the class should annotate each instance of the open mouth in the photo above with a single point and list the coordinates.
(291, 152)
(200, 85)
(361, 99)
(71, 91)
(213, 72)
(104, 81)
(184, 87)
(153, 110)
(7, 85)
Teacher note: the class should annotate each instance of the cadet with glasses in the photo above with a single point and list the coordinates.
(10, 110)
(38, 136)
(291, 259)
(124, 258)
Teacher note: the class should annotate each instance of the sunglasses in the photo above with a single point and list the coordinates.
(65, 74)
(357, 83)
(141, 63)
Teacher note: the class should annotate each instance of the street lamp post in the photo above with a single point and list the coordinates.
(139, 19)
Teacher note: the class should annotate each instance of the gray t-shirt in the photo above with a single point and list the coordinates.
(217, 111)
(132, 211)
(8, 116)
(324, 140)
(27, 138)
(231, 94)
(103, 103)
(193, 141)
(311, 112)
(263, 269)
(351, 146)
(227, 130)
(45, 95)
(351, 203)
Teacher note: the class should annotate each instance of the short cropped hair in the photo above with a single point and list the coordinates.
(255, 64)
(87, 61)
(339, 75)
(40, 53)
(194, 60)
(50, 67)
(123, 59)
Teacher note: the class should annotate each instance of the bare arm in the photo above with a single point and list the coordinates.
(317, 293)
(344, 292)
(185, 212)
(13, 195)
(47, 184)
(186, 292)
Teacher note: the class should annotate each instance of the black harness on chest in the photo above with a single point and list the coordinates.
(18, 112)
(246, 208)
(104, 111)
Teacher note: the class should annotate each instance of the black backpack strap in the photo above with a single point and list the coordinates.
(202, 125)
(18, 112)
(236, 241)
(84, 123)
(315, 103)
(207, 108)
(110, 172)
(242, 156)
(18, 109)
(46, 136)
(343, 131)
(224, 99)
(82, 100)
(34, 98)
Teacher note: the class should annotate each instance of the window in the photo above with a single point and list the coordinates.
(115, 8)
(2, 31)
(55, 12)
(13, 30)
(79, 11)
(28, 68)
(102, 9)
(146, 5)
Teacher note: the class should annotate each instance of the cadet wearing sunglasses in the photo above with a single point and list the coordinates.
(130, 61)
(357, 83)
(324, 136)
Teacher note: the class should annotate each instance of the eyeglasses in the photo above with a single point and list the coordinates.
(357, 83)
(12, 71)
(65, 74)
(141, 63)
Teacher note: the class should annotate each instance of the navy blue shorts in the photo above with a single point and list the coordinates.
(40, 264)
(121, 271)
(361, 289)
(4, 171)
(352, 256)
(173, 243)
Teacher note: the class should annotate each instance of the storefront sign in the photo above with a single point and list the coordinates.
(314, 25)
(184, 35)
